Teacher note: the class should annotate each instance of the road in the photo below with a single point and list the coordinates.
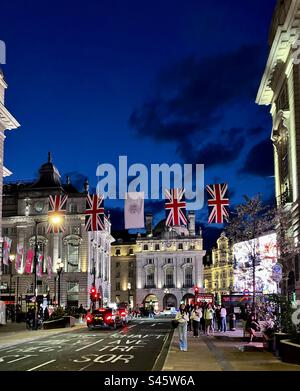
(140, 346)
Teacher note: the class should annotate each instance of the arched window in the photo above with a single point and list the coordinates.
(72, 252)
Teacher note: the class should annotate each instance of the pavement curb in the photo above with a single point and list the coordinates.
(164, 353)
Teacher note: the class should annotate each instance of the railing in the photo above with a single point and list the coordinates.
(169, 286)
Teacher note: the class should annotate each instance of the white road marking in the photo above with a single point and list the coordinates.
(21, 358)
(130, 327)
(153, 324)
(91, 344)
(41, 365)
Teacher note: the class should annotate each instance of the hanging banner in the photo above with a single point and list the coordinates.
(29, 259)
(19, 257)
(134, 210)
(49, 266)
(39, 270)
(6, 249)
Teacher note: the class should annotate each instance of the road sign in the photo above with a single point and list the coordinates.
(246, 292)
(277, 272)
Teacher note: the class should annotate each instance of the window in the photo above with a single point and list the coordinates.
(150, 278)
(118, 251)
(180, 246)
(187, 260)
(130, 272)
(169, 277)
(75, 230)
(192, 247)
(117, 274)
(118, 287)
(150, 261)
(73, 208)
(130, 252)
(73, 257)
(169, 260)
(130, 265)
(72, 293)
(145, 247)
(157, 247)
(117, 264)
(188, 277)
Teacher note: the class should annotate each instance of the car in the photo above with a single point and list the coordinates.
(124, 314)
(169, 311)
(103, 318)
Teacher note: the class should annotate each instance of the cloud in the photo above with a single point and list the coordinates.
(259, 161)
(191, 99)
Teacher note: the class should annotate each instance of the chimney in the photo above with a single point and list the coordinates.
(149, 218)
(191, 222)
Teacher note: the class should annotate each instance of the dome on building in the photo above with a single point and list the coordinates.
(49, 176)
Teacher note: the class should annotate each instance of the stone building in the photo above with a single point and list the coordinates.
(85, 256)
(280, 89)
(169, 264)
(123, 269)
(7, 122)
(218, 274)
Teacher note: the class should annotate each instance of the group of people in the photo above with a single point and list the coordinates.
(205, 318)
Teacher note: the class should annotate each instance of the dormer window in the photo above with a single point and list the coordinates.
(145, 247)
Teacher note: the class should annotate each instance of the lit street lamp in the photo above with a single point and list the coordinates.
(128, 288)
(59, 269)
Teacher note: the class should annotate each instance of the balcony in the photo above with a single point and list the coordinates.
(169, 286)
(149, 286)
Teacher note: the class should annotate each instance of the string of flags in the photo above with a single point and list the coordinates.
(175, 209)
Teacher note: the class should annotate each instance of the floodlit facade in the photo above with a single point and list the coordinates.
(280, 89)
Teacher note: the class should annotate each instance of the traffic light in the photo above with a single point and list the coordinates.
(93, 294)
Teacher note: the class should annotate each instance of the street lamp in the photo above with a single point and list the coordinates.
(11, 258)
(128, 288)
(59, 269)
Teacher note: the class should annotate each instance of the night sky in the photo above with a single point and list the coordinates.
(160, 81)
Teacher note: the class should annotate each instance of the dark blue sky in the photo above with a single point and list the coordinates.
(160, 81)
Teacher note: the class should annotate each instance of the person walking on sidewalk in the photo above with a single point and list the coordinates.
(209, 314)
(196, 315)
(182, 316)
(223, 314)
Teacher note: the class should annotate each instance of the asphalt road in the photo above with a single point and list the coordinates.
(140, 346)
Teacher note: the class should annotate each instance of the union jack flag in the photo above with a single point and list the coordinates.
(94, 213)
(175, 207)
(57, 206)
(218, 203)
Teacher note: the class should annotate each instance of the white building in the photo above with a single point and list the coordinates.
(7, 122)
(84, 255)
(169, 265)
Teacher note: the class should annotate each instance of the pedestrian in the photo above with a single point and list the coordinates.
(218, 317)
(195, 317)
(223, 314)
(182, 317)
(209, 314)
(252, 326)
(151, 311)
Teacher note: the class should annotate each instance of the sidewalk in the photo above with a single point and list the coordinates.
(16, 333)
(222, 352)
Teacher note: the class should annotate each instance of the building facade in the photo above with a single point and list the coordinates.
(7, 122)
(219, 273)
(123, 271)
(85, 256)
(169, 265)
(280, 89)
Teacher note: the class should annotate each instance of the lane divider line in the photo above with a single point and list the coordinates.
(87, 346)
(41, 365)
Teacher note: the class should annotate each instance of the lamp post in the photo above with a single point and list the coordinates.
(59, 269)
(11, 258)
(35, 262)
(128, 288)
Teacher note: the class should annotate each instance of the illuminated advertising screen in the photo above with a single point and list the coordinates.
(265, 253)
